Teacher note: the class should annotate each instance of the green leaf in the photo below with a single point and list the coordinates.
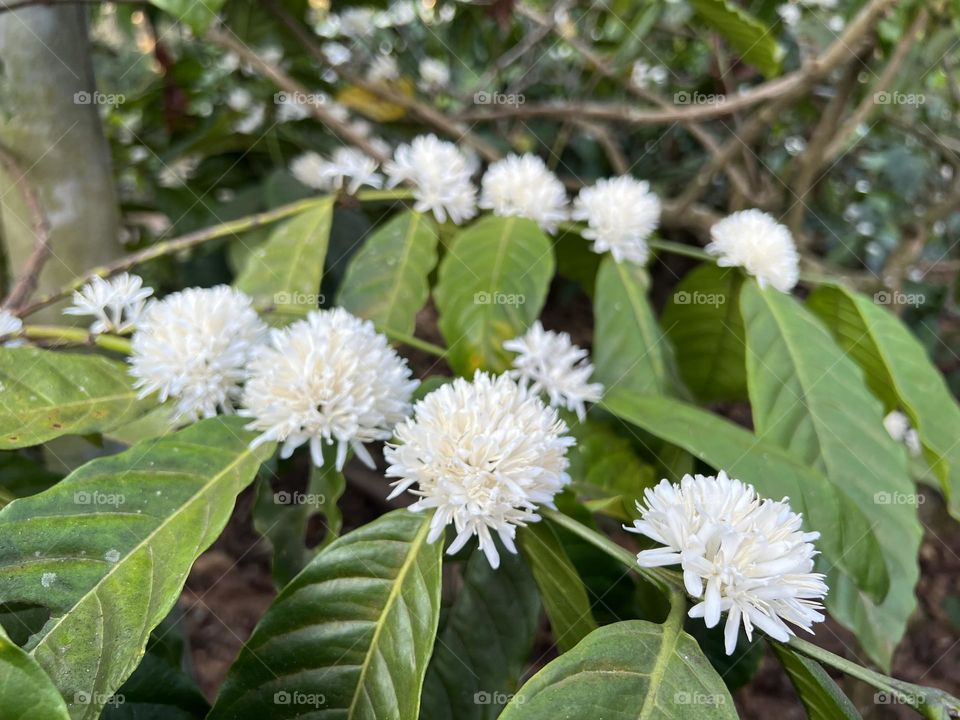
(107, 550)
(703, 321)
(491, 286)
(48, 394)
(386, 281)
(157, 690)
(198, 14)
(808, 397)
(848, 544)
(26, 692)
(820, 695)
(351, 636)
(564, 595)
(625, 671)
(286, 271)
(629, 349)
(485, 644)
(901, 374)
(756, 43)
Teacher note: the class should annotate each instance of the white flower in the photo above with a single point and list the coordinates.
(346, 163)
(194, 345)
(383, 69)
(550, 363)
(434, 74)
(642, 74)
(9, 323)
(898, 427)
(440, 175)
(116, 303)
(356, 23)
(744, 556)
(328, 378)
(524, 186)
(621, 213)
(753, 240)
(336, 53)
(485, 454)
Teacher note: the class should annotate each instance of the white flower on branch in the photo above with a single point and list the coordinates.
(348, 166)
(116, 304)
(485, 454)
(10, 324)
(524, 186)
(753, 240)
(330, 378)
(383, 69)
(440, 176)
(897, 425)
(744, 556)
(621, 214)
(550, 363)
(434, 74)
(194, 346)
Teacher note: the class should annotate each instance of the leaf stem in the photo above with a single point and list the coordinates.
(76, 336)
(681, 249)
(415, 342)
(380, 195)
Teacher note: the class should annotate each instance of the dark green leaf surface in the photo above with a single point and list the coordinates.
(108, 549)
(820, 695)
(350, 637)
(26, 692)
(756, 43)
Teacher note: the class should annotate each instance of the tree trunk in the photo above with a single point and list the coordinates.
(49, 120)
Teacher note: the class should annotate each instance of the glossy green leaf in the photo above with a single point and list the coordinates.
(350, 637)
(901, 374)
(702, 319)
(820, 695)
(285, 272)
(491, 286)
(47, 394)
(756, 43)
(485, 642)
(107, 550)
(26, 692)
(564, 595)
(625, 671)
(386, 281)
(809, 398)
(849, 546)
(630, 351)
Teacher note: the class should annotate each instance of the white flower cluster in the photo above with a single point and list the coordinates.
(115, 304)
(550, 363)
(621, 213)
(744, 556)
(897, 425)
(194, 346)
(522, 185)
(347, 167)
(753, 240)
(484, 454)
(10, 324)
(440, 176)
(328, 378)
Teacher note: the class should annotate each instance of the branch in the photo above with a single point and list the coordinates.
(27, 283)
(227, 40)
(20, 4)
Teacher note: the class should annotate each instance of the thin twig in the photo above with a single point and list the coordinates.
(30, 274)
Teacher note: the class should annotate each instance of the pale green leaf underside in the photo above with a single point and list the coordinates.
(350, 636)
(632, 670)
(491, 286)
(810, 398)
(386, 281)
(107, 550)
(46, 394)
